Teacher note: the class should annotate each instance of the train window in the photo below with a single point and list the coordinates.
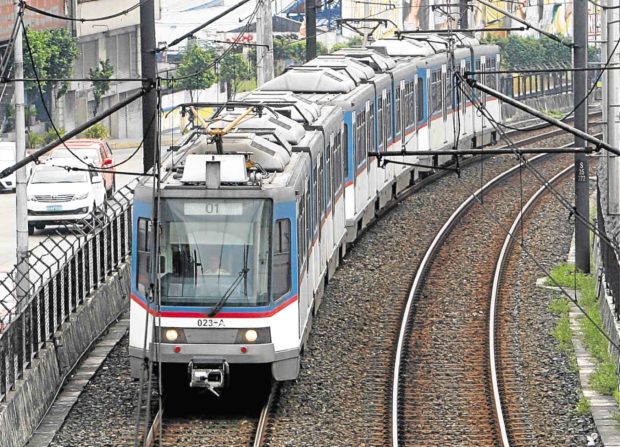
(345, 150)
(490, 77)
(398, 112)
(420, 101)
(281, 258)
(308, 230)
(145, 239)
(444, 96)
(301, 231)
(328, 176)
(435, 92)
(410, 105)
(388, 116)
(321, 192)
(371, 128)
(380, 123)
(360, 142)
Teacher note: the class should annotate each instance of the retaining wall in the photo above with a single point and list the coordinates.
(557, 102)
(27, 404)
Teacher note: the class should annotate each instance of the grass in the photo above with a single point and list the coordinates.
(555, 114)
(583, 406)
(246, 86)
(605, 378)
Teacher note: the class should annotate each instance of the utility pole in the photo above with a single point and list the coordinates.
(149, 71)
(582, 207)
(366, 15)
(21, 216)
(310, 29)
(264, 36)
(611, 106)
(463, 8)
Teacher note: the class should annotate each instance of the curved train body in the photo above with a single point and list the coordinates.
(257, 206)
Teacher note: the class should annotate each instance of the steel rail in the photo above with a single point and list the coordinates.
(153, 433)
(263, 419)
(418, 283)
(499, 269)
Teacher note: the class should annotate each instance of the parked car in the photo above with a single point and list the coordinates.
(7, 158)
(56, 195)
(96, 152)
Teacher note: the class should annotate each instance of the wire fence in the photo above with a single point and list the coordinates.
(535, 85)
(611, 267)
(62, 271)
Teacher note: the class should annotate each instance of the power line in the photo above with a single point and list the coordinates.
(76, 19)
(221, 56)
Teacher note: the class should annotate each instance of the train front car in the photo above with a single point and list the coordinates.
(227, 261)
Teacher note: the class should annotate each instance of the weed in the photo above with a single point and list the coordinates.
(583, 406)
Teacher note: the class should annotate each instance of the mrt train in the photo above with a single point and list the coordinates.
(257, 206)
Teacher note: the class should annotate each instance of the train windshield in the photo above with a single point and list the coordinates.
(215, 252)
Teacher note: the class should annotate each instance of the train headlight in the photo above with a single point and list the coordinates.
(250, 336)
(253, 335)
(171, 335)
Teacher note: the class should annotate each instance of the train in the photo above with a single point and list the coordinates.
(256, 207)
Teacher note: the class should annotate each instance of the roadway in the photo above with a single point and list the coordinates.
(7, 208)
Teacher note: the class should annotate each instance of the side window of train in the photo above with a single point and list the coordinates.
(144, 247)
(388, 116)
(398, 111)
(301, 231)
(490, 77)
(281, 257)
(328, 175)
(371, 128)
(436, 89)
(420, 101)
(380, 123)
(360, 142)
(345, 150)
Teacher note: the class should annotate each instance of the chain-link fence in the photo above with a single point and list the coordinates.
(535, 85)
(611, 267)
(62, 271)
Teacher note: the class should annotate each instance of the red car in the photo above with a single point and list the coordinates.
(95, 152)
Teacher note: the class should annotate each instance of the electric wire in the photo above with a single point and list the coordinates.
(49, 115)
(563, 200)
(83, 20)
(538, 263)
(221, 56)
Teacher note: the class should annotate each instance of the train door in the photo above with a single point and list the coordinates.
(302, 256)
(445, 101)
(483, 99)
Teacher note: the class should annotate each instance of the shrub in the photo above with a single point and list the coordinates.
(97, 131)
(51, 135)
(34, 140)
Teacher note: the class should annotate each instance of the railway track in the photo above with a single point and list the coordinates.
(442, 387)
(251, 428)
(512, 413)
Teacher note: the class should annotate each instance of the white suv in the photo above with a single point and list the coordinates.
(56, 195)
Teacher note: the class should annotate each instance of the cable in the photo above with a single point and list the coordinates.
(221, 56)
(598, 5)
(563, 200)
(75, 19)
(41, 95)
(496, 219)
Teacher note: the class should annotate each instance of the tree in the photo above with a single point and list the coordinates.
(234, 68)
(101, 86)
(195, 72)
(53, 52)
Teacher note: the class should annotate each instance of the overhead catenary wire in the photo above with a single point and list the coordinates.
(219, 58)
(563, 200)
(79, 19)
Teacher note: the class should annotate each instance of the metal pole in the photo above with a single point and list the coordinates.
(21, 216)
(149, 71)
(264, 36)
(365, 30)
(464, 19)
(310, 29)
(582, 199)
(611, 78)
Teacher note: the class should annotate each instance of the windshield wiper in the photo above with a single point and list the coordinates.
(241, 275)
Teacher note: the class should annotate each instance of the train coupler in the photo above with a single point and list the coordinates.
(209, 374)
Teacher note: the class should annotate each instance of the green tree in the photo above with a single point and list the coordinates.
(53, 52)
(353, 42)
(195, 72)
(101, 86)
(234, 68)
